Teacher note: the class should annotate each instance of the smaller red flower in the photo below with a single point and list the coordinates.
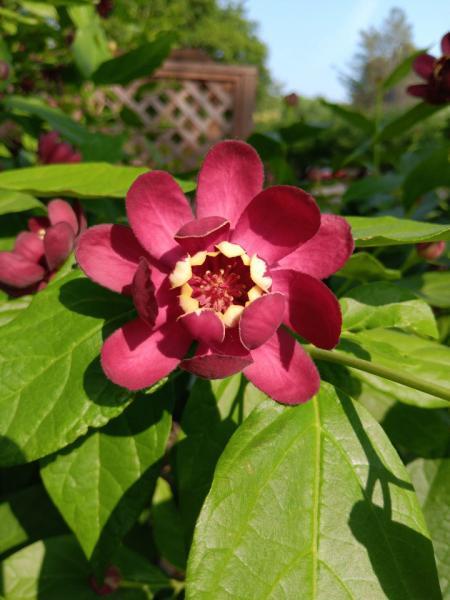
(104, 8)
(52, 150)
(233, 278)
(111, 582)
(436, 73)
(431, 250)
(39, 252)
(291, 99)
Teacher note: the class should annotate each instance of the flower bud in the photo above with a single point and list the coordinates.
(430, 250)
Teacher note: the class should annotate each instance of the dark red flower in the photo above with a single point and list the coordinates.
(104, 8)
(111, 582)
(250, 261)
(291, 99)
(39, 252)
(52, 150)
(431, 250)
(436, 73)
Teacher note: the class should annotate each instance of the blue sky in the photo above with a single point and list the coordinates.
(311, 41)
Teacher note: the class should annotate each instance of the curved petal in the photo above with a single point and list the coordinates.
(58, 243)
(283, 370)
(202, 234)
(423, 65)
(136, 357)
(30, 246)
(261, 319)
(60, 211)
(326, 252)
(81, 217)
(445, 44)
(231, 175)
(419, 90)
(204, 326)
(143, 291)
(276, 222)
(210, 365)
(313, 310)
(156, 209)
(109, 255)
(19, 272)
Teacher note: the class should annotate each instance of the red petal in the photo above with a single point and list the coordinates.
(46, 145)
(109, 255)
(19, 272)
(313, 310)
(231, 175)
(58, 243)
(157, 208)
(420, 90)
(276, 222)
(60, 211)
(143, 291)
(261, 319)
(326, 252)
(215, 366)
(445, 44)
(205, 326)
(30, 246)
(283, 370)
(423, 65)
(202, 234)
(135, 357)
(63, 153)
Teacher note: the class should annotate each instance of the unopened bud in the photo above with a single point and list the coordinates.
(430, 250)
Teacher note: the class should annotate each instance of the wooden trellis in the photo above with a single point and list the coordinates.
(187, 105)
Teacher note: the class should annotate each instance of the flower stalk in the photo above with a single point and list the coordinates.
(341, 358)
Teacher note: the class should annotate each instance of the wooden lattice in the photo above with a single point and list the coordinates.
(187, 106)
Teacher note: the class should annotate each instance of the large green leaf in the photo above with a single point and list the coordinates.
(390, 231)
(433, 286)
(430, 173)
(384, 304)
(213, 412)
(431, 479)
(421, 358)
(136, 63)
(56, 568)
(352, 117)
(313, 502)
(52, 387)
(9, 309)
(363, 266)
(167, 526)
(27, 516)
(90, 46)
(82, 180)
(122, 460)
(13, 202)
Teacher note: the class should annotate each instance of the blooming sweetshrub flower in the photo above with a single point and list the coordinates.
(436, 73)
(39, 252)
(250, 261)
(52, 150)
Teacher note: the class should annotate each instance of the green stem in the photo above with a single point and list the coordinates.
(341, 358)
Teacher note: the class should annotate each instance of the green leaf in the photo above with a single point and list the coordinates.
(9, 309)
(431, 479)
(404, 122)
(212, 414)
(430, 173)
(299, 132)
(93, 146)
(101, 483)
(390, 231)
(56, 568)
(363, 266)
(136, 63)
(52, 387)
(433, 286)
(82, 180)
(384, 304)
(401, 71)
(311, 498)
(14, 202)
(422, 358)
(21, 518)
(90, 47)
(167, 526)
(352, 117)
(371, 186)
